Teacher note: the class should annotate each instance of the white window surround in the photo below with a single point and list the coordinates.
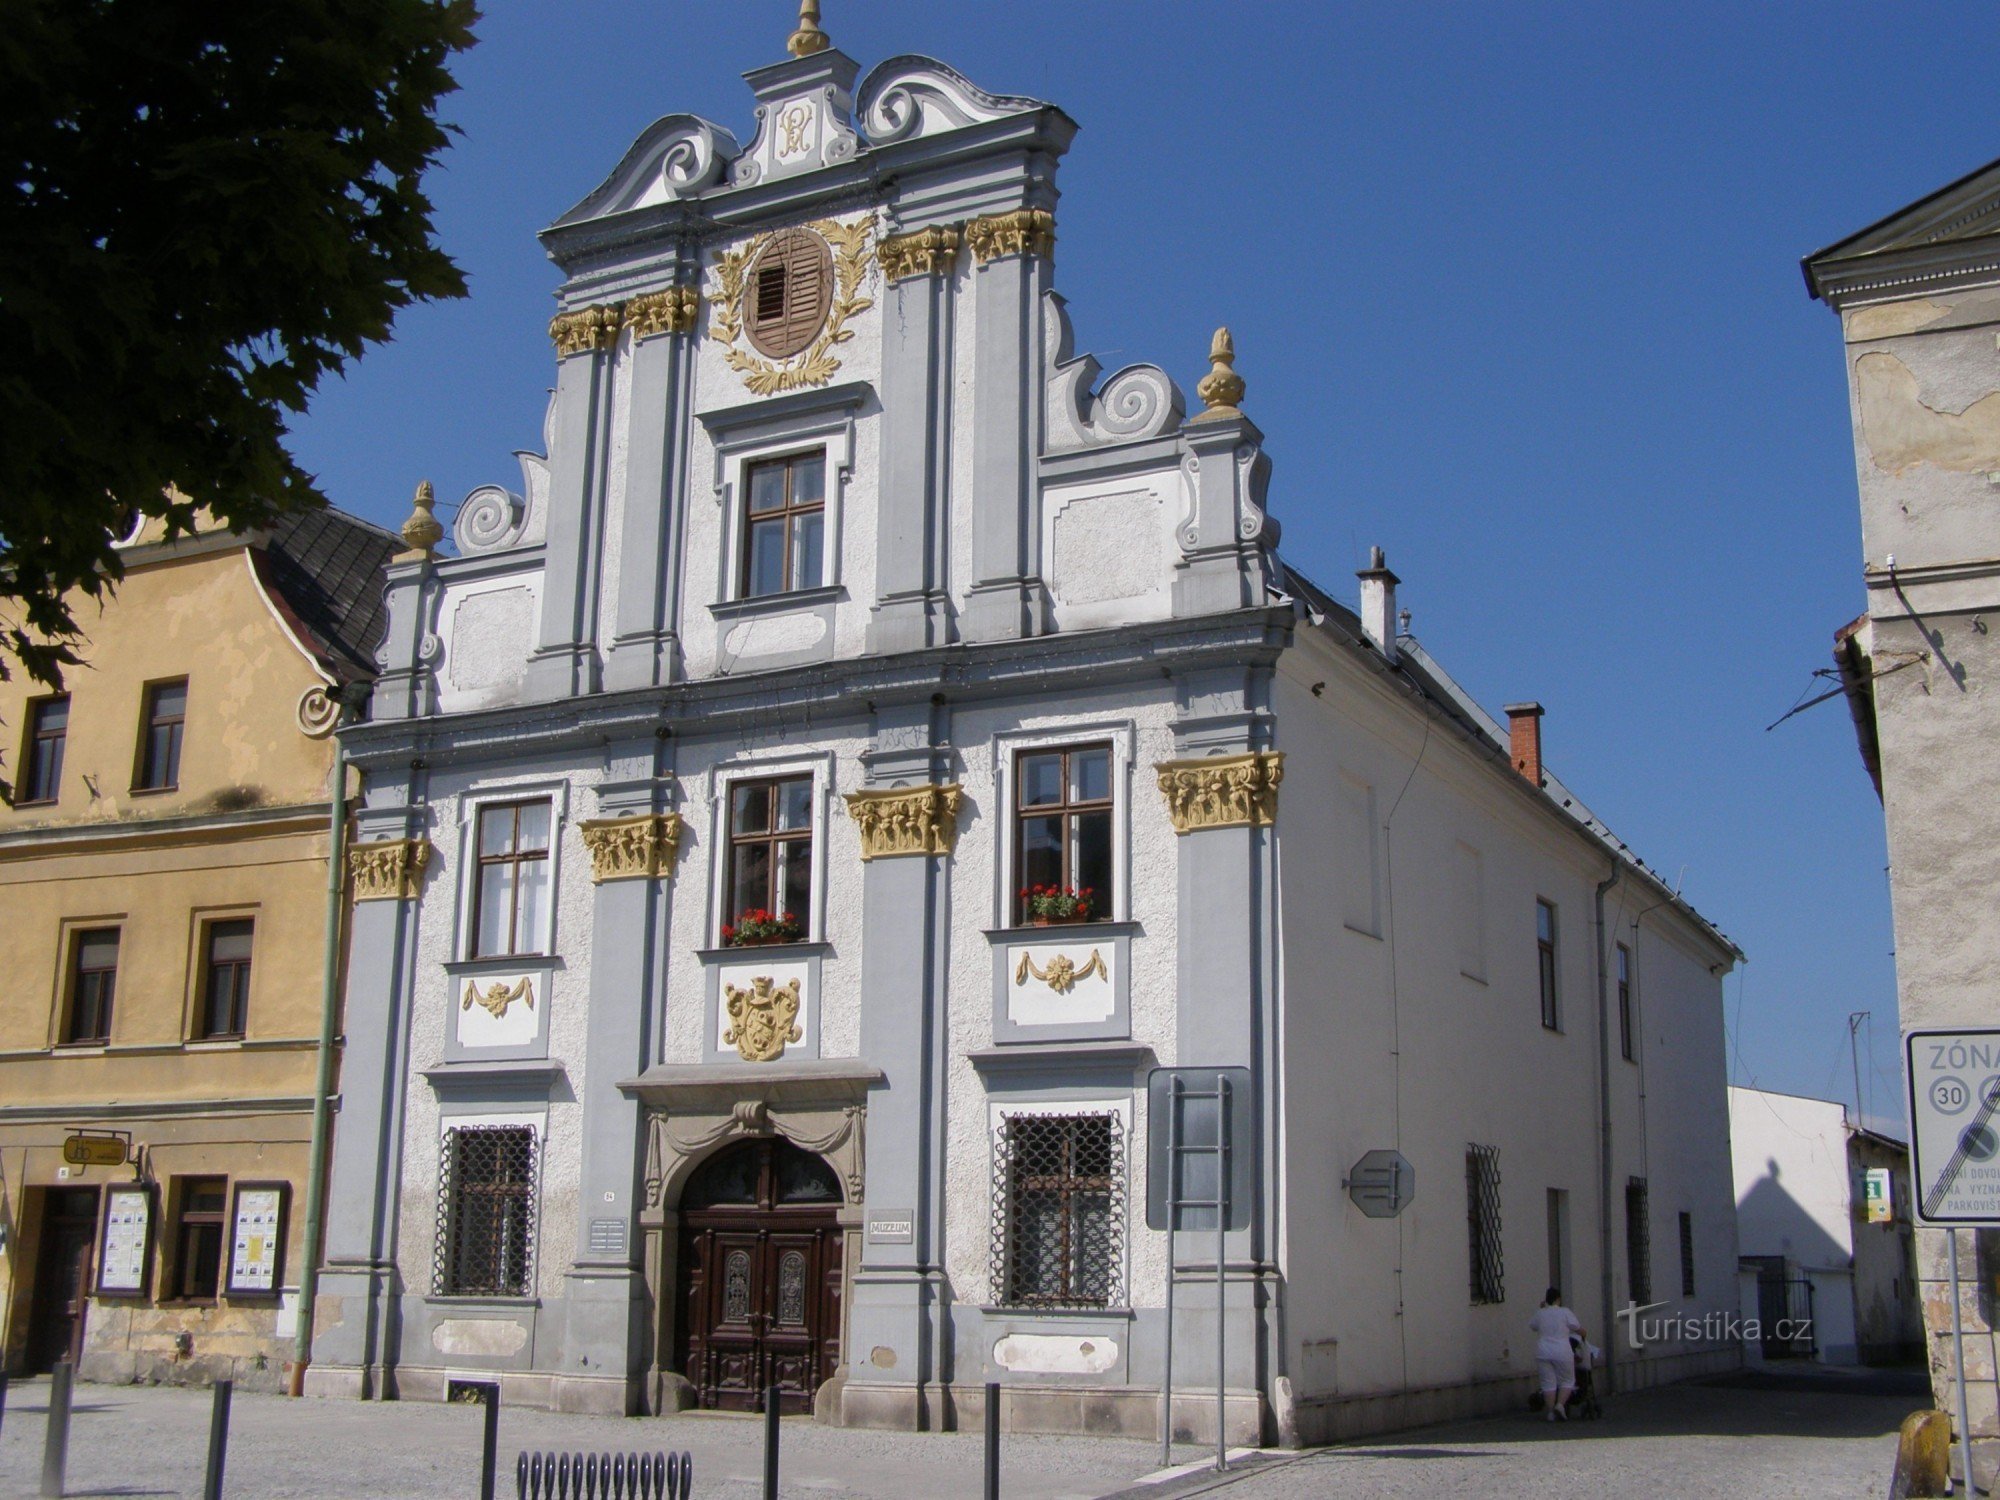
(831, 435)
(469, 806)
(1119, 1107)
(720, 780)
(1007, 747)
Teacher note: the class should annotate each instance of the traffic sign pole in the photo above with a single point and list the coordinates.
(1958, 1350)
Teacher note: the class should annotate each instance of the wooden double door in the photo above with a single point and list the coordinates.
(760, 1268)
(62, 1276)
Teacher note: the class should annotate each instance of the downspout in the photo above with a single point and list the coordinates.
(1604, 1131)
(336, 889)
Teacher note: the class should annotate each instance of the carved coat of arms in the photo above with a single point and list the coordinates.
(763, 1017)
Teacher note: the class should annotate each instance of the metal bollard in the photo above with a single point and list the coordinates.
(218, 1440)
(992, 1440)
(55, 1448)
(3, 1398)
(489, 1397)
(771, 1442)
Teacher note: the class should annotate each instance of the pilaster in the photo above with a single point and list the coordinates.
(1225, 544)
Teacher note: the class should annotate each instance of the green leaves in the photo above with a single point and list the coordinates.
(204, 210)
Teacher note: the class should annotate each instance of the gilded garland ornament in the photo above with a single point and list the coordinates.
(632, 848)
(912, 820)
(389, 870)
(762, 1017)
(1223, 791)
(1062, 974)
(817, 364)
(498, 996)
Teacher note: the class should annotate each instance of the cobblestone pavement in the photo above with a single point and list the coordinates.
(1823, 1436)
(134, 1441)
(1818, 1436)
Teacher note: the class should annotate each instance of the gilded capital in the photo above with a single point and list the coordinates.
(632, 848)
(1223, 791)
(586, 328)
(391, 870)
(1026, 231)
(670, 311)
(906, 820)
(922, 252)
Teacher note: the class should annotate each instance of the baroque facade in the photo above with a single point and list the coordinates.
(163, 901)
(1918, 295)
(870, 741)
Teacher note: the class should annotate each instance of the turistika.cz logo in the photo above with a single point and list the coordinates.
(1716, 1327)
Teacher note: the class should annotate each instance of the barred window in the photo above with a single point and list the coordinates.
(1687, 1254)
(1482, 1217)
(1059, 1210)
(1638, 1241)
(486, 1212)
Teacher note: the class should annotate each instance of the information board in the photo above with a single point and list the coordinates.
(128, 1232)
(257, 1231)
(1954, 1079)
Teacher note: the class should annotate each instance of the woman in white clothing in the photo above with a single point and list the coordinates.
(1553, 1324)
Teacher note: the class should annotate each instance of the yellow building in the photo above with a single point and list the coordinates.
(163, 878)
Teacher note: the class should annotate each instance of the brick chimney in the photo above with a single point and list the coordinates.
(1524, 735)
(1378, 604)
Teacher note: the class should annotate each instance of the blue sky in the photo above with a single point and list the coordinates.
(1515, 289)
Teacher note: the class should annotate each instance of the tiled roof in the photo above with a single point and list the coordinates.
(325, 569)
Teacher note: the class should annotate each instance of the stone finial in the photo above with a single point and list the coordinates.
(808, 39)
(422, 532)
(1221, 388)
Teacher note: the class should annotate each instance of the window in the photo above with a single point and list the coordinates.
(510, 903)
(1060, 1180)
(1687, 1254)
(1545, 944)
(93, 982)
(1638, 1242)
(160, 742)
(1625, 1002)
(41, 760)
(225, 980)
(784, 525)
(1558, 1237)
(486, 1211)
(198, 1237)
(1062, 815)
(787, 293)
(1482, 1216)
(770, 851)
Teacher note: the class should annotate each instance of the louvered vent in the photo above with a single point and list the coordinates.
(790, 290)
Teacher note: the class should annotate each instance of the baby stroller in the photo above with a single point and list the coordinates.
(1583, 1402)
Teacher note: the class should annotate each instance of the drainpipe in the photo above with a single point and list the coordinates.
(336, 890)
(1607, 1326)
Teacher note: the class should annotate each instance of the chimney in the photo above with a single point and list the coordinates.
(1524, 735)
(1378, 604)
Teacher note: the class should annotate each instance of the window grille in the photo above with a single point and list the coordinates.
(1482, 1214)
(1638, 1245)
(1058, 1210)
(1687, 1255)
(486, 1212)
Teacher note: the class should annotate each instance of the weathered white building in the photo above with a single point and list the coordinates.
(868, 744)
(1808, 1246)
(1918, 295)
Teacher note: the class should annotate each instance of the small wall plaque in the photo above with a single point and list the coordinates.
(892, 1227)
(607, 1237)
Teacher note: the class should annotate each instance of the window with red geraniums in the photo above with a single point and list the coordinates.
(759, 926)
(1058, 903)
(1062, 834)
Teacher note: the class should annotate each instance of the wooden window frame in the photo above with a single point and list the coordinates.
(183, 1220)
(1068, 811)
(1546, 970)
(771, 837)
(784, 517)
(1626, 1047)
(205, 996)
(73, 984)
(31, 792)
(515, 858)
(144, 769)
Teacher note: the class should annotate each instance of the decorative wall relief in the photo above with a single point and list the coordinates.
(586, 328)
(498, 996)
(1026, 231)
(671, 310)
(1223, 791)
(318, 712)
(923, 252)
(817, 364)
(913, 820)
(1062, 972)
(632, 848)
(391, 870)
(763, 1018)
(1139, 401)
